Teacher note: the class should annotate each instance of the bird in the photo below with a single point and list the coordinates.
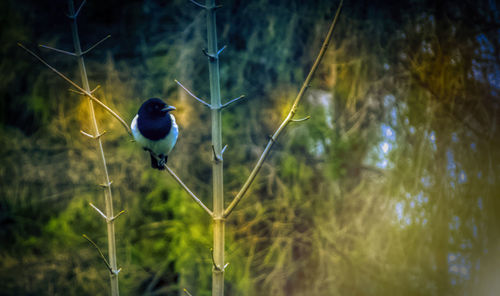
(156, 130)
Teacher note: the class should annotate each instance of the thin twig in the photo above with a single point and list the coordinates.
(88, 94)
(191, 94)
(198, 4)
(232, 101)
(193, 196)
(97, 43)
(187, 293)
(58, 50)
(118, 215)
(287, 120)
(99, 211)
(78, 10)
(301, 119)
(100, 253)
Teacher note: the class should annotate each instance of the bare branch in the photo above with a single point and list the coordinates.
(58, 50)
(221, 50)
(198, 4)
(287, 120)
(96, 88)
(88, 94)
(223, 150)
(187, 293)
(193, 196)
(76, 92)
(300, 120)
(102, 255)
(94, 46)
(118, 215)
(99, 211)
(191, 94)
(232, 101)
(78, 10)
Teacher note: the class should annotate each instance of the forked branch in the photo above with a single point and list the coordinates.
(86, 93)
(286, 121)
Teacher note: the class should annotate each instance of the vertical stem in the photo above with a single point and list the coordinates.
(107, 192)
(218, 182)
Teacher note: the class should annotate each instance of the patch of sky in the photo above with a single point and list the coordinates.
(389, 139)
(451, 165)
(473, 146)
(458, 266)
(426, 181)
(480, 203)
(462, 177)
(432, 138)
(454, 137)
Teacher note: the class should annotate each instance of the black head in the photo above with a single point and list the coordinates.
(154, 107)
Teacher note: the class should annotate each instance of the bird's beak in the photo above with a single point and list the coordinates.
(168, 108)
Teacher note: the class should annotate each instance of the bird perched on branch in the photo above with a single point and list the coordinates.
(156, 130)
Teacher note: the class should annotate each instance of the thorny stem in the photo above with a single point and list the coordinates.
(286, 121)
(108, 197)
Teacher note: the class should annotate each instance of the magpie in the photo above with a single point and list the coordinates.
(156, 130)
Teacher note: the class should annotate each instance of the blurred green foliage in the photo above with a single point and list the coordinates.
(391, 188)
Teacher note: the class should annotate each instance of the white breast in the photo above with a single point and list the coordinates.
(162, 146)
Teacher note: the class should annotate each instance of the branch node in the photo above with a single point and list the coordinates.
(216, 267)
(209, 55)
(74, 16)
(192, 95)
(301, 119)
(217, 158)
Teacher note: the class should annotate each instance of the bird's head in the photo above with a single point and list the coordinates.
(155, 108)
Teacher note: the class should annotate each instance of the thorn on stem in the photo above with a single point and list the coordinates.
(216, 267)
(217, 158)
(209, 55)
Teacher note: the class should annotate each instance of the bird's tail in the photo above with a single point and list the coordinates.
(158, 162)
